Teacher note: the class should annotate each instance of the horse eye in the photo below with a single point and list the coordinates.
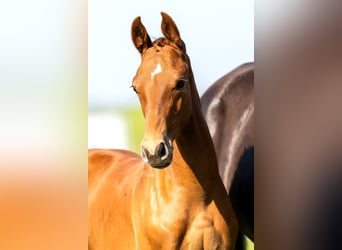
(135, 90)
(180, 84)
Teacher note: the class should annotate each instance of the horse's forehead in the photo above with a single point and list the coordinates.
(161, 58)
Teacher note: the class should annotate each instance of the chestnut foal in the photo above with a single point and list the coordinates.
(172, 197)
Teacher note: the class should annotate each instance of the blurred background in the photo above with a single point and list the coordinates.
(219, 36)
(43, 124)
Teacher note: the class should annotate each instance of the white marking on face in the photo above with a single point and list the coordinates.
(157, 70)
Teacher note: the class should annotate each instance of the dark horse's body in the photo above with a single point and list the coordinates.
(228, 107)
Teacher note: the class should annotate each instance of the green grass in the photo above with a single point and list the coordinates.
(135, 124)
(250, 244)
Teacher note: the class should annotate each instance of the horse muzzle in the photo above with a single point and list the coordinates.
(157, 153)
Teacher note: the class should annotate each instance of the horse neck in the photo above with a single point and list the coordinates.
(194, 170)
(194, 149)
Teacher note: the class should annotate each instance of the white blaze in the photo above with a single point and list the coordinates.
(157, 70)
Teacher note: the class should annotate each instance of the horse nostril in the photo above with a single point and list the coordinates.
(162, 151)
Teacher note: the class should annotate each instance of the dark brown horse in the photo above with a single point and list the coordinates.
(228, 107)
(172, 197)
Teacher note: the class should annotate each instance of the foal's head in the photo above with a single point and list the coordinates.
(162, 83)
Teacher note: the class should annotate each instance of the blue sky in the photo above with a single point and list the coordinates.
(219, 35)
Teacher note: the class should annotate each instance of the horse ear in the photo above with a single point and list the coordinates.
(140, 37)
(170, 30)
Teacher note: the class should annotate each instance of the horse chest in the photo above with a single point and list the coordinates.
(164, 217)
(178, 228)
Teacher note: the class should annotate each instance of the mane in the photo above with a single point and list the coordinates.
(162, 41)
